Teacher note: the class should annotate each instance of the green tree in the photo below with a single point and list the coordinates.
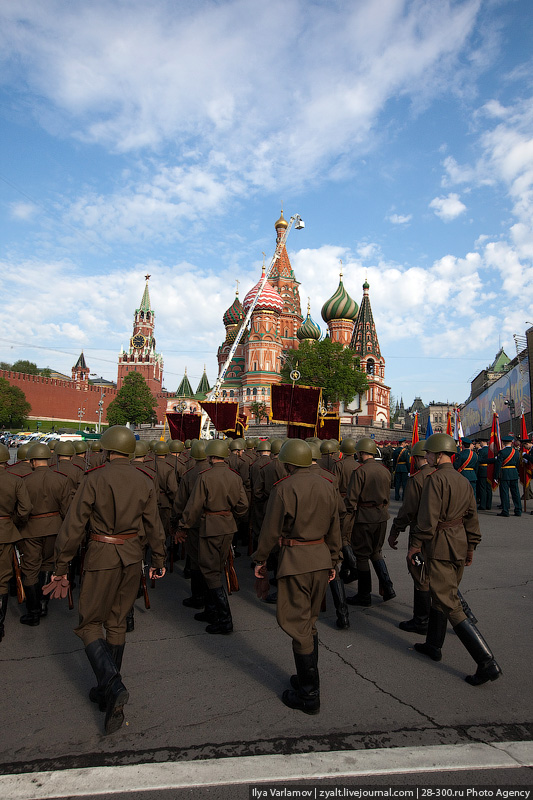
(14, 408)
(329, 365)
(25, 366)
(133, 403)
(259, 410)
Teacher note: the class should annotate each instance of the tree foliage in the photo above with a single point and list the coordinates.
(25, 366)
(259, 410)
(134, 402)
(14, 408)
(329, 365)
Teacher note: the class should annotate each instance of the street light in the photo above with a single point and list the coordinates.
(81, 414)
(100, 410)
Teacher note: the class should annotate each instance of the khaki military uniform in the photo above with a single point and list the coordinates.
(257, 490)
(168, 488)
(15, 508)
(70, 471)
(367, 501)
(119, 504)
(407, 517)
(184, 492)
(20, 468)
(343, 471)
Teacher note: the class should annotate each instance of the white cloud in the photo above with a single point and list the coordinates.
(23, 210)
(400, 219)
(448, 208)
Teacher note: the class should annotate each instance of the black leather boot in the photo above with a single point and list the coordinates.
(44, 578)
(97, 693)
(386, 589)
(466, 609)
(3, 611)
(339, 600)
(421, 606)
(487, 667)
(109, 683)
(223, 622)
(198, 591)
(33, 605)
(435, 636)
(187, 567)
(364, 588)
(306, 697)
(294, 678)
(130, 620)
(209, 614)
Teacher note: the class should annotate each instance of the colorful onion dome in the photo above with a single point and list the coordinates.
(235, 314)
(269, 299)
(309, 329)
(282, 222)
(340, 306)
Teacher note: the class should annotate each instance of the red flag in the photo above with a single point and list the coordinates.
(525, 470)
(495, 445)
(449, 424)
(223, 415)
(184, 426)
(414, 440)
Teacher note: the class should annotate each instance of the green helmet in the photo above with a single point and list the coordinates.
(188, 444)
(81, 447)
(65, 449)
(348, 446)
(152, 443)
(336, 445)
(141, 449)
(198, 450)
(440, 443)
(52, 444)
(96, 446)
(237, 444)
(366, 445)
(250, 444)
(161, 449)
(119, 439)
(39, 450)
(4, 454)
(419, 448)
(218, 448)
(264, 447)
(315, 450)
(296, 452)
(275, 446)
(176, 446)
(22, 452)
(327, 447)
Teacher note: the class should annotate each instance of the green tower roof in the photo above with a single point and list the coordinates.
(185, 388)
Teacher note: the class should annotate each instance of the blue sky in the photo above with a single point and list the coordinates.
(164, 138)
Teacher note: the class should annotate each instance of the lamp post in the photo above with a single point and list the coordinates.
(100, 411)
(81, 414)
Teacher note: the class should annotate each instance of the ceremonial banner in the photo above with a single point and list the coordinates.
(458, 427)
(295, 405)
(525, 470)
(184, 426)
(223, 415)
(414, 440)
(329, 427)
(449, 424)
(298, 432)
(429, 429)
(495, 445)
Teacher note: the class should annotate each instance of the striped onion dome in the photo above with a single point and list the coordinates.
(269, 299)
(309, 329)
(340, 306)
(235, 314)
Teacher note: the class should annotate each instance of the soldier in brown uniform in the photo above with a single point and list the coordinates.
(270, 473)
(64, 451)
(81, 459)
(258, 507)
(217, 497)
(327, 458)
(96, 454)
(448, 528)
(175, 448)
(118, 502)
(302, 516)
(367, 501)
(50, 494)
(15, 507)
(21, 466)
(346, 465)
(167, 483)
(407, 516)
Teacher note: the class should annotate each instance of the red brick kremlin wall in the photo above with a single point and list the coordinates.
(53, 399)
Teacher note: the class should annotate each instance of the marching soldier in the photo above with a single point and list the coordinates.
(346, 465)
(96, 454)
(15, 507)
(217, 497)
(327, 452)
(400, 464)
(118, 502)
(367, 501)
(264, 455)
(466, 463)
(64, 451)
(176, 447)
(448, 528)
(302, 517)
(81, 459)
(21, 466)
(166, 482)
(506, 471)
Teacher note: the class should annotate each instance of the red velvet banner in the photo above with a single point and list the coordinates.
(295, 405)
(299, 432)
(223, 415)
(329, 428)
(184, 426)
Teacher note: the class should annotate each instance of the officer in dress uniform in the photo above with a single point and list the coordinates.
(466, 463)
(15, 508)
(506, 471)
(120, 505)
(448, 528)
(483, 487)
(400, 463)
(302, 517)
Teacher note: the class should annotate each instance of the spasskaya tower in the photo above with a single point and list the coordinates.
(141, 356)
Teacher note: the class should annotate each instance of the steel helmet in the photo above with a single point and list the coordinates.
(161, 449)
(4, 454)
(348, 446)
(119, 439)
(327, 447)
(152, 443)
(22, 452)
(237, 444)
(315, 450)
(52, 444)
(81, 447)
(218, 448)
(176, 446)
(264, 447)
(296, 452)
(188, 444)
(39, 450)
(440, 443)
(96, 446)
(419, 448)
(366, 445)
(198, 450)
(65, 449)
(141, 449)
(250, 444)
(275, 446)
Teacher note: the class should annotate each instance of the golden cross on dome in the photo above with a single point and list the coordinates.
(341, 273)
(237, 282)
(308, 306)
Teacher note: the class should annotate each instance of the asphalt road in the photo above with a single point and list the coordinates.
(199, 697)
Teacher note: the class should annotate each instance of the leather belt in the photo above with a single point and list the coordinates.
(6, 517)
(118, 539)
(510, 466)
(370, 505)
(218, 514)
(47, 514)
(296, 542)
(451, 523)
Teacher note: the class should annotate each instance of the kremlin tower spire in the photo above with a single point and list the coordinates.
(141, 356)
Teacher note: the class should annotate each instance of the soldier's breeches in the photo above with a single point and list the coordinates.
(191, 547)
(298, 607)
(444, 579)
(419, 575)
(6, 566)
(38, 556)
(106, 597)
(213, 553)
(367, 540)
(165, 513)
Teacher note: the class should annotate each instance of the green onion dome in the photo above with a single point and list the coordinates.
(309, 329)
(235, 314)
(340, 306)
